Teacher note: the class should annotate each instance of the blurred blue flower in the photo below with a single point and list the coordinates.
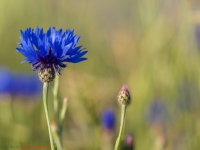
(51, 49)
(158, 112)
(26, 85)
(188, 97)
(6, 78)
(19, 84)
(108, 119)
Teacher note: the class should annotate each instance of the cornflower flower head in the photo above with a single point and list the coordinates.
(48, 52)
(108, 119)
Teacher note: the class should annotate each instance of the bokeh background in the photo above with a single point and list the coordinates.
(152, 46)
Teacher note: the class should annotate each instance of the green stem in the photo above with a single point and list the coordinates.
(45, 93)
(123, 114)
(61, 118)
(63, 110)
(55, 101)
(55, 95)
(56, 138)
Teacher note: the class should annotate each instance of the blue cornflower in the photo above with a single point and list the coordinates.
(48, 52)
(108, 119)
(158, 112)
(26, 85)
(6, 78)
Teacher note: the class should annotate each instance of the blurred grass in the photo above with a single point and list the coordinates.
(151, 46)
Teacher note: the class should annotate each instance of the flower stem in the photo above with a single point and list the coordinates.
(63, 110)
(45, 93)
(55, 95)
(58, 137)
(123, 114)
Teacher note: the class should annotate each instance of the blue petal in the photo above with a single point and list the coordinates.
(66, 49)
(62, 65)
(81, 53)
(76, 60)
(76, 39)
(74, 51)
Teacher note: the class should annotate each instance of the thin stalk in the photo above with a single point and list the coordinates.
(61, 118)
(63, 110)
(56, 112)
(123, 115)
(55, 96)
(45, 93)
(55, 135)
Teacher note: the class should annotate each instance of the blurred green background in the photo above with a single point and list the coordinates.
(150, 45)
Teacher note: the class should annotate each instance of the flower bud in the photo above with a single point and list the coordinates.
(46, 74)
(129, 143)
(124, 96)
(54, 127)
